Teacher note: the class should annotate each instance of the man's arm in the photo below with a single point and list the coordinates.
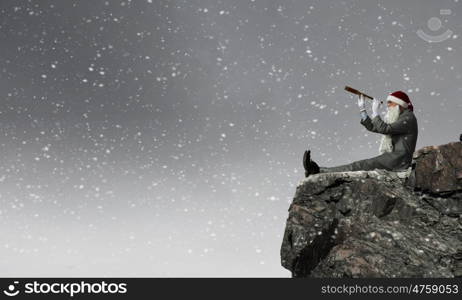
(402, 125)
(367, 122)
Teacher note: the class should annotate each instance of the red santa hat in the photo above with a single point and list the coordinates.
(402, 99)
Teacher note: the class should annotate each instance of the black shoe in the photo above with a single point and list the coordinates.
(306, 160)
(310, 166)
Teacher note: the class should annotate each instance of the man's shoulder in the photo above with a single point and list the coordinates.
(408, 117)
(408, 114)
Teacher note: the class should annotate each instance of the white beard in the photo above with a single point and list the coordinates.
(392, 115)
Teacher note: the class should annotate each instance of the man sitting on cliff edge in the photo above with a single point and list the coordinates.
(399, 129)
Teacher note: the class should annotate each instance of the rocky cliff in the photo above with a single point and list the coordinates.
(379, 223)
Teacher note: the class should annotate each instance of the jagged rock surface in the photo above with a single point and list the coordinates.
(374, 224)
(438, 169)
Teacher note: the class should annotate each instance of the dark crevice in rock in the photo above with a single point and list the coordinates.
(337, 182)
(446, 194)
(345, 211)
(386, 209)
(314, 252)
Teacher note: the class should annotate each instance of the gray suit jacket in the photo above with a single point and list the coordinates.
(404, 138)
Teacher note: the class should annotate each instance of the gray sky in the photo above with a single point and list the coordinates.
(164, 138)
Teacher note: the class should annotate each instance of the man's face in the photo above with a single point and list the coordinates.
(391, 104)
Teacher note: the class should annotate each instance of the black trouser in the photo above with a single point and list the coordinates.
(360, 165)
(390, 161)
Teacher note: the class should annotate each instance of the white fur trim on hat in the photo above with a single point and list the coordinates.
(397, 101)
